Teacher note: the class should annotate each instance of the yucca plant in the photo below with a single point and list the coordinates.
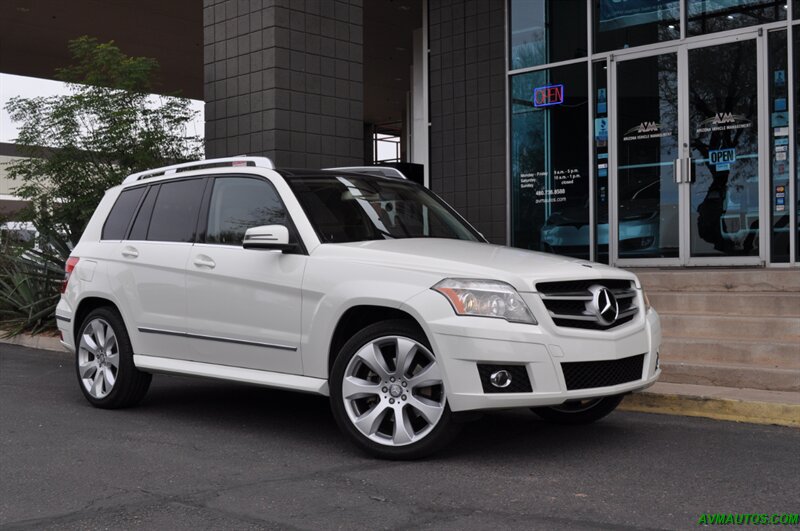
(30, 282)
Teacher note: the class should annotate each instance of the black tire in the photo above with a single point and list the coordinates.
(584, 412)
(436, 438)
(130, 384)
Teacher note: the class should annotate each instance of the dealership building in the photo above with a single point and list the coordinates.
(659, 135)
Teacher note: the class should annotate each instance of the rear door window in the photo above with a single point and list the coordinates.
(121, 213)
(175, 211)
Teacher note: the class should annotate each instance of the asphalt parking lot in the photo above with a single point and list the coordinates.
(207, 455)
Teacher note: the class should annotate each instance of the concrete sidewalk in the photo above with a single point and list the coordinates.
(781, 408)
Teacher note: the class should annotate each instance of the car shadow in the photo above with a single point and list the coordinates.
(307, 418)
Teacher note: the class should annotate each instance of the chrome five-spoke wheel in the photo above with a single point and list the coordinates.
(392, 391)
(98, 358)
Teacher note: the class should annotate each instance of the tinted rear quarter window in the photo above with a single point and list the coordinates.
(120, 216)
(175, 211)
(142, 221)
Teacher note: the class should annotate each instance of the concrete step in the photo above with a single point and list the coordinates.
(730, 375)
(720, 279)
(772, 354)
(744, 304)
(780, 329)
(722, 403)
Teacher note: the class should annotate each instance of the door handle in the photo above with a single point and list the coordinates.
(129, 252)
(682, 168)
(204, 261)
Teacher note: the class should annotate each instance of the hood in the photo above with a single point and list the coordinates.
(448, 258)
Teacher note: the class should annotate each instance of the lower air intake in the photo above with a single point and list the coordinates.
(591, 374)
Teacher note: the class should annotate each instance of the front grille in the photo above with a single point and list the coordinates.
(591, 374)
(520, 383)
(569, 302)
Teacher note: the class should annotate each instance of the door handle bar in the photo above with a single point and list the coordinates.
(205, 262)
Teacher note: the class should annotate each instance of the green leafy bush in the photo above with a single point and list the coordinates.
(30, 285)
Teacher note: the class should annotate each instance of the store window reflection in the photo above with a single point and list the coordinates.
(547, 31)
(779, 147)
(602, 170)
(647, 140)
(549, 160)
(723, 129)
(796, 53)
(634, 23)
(709, 16)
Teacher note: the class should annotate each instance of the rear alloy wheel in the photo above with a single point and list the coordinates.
(388, 395)
(104, 362)
(579, 411)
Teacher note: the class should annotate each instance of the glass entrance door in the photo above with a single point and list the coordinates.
(647, 141)
(685, 155)
(724, 210)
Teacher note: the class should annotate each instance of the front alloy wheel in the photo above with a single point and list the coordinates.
(388, 394)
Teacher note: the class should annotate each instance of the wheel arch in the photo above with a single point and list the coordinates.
(360, 316)
(86, 306)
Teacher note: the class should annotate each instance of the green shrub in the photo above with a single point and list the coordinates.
(30, 285)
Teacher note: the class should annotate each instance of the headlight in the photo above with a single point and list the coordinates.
(646, 301)
(485, 298)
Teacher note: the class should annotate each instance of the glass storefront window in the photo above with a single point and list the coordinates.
(709, 16)
(601, 160)
(796, 109)
(546, 31)
(630, 23)
(779, 147)
(549, 160)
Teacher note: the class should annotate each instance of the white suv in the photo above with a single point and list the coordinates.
(368, 289)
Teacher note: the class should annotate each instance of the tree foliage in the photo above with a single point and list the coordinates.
(109, 125)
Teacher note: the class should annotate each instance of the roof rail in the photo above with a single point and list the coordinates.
(378, 171)
(244, 160)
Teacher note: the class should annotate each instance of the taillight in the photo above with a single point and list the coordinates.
(72, 261)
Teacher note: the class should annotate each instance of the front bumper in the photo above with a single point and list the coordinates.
(461, 343)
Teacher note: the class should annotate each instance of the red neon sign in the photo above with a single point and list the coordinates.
(548, 95)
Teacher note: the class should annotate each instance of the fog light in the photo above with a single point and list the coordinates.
(500, 379)
(657, 361)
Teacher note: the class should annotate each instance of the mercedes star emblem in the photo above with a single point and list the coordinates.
(604, 305)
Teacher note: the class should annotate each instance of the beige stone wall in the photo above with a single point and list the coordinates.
(6, 185)
(9, 204)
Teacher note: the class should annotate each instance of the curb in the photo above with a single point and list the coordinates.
(39, 341)
(753, 412)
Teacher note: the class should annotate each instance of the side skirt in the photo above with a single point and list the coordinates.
(278, 380)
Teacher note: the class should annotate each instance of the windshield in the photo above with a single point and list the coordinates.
(352, 209)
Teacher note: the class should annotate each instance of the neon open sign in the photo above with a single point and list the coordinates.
(548, 95)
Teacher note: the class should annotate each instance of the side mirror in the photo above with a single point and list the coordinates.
(268, 237)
